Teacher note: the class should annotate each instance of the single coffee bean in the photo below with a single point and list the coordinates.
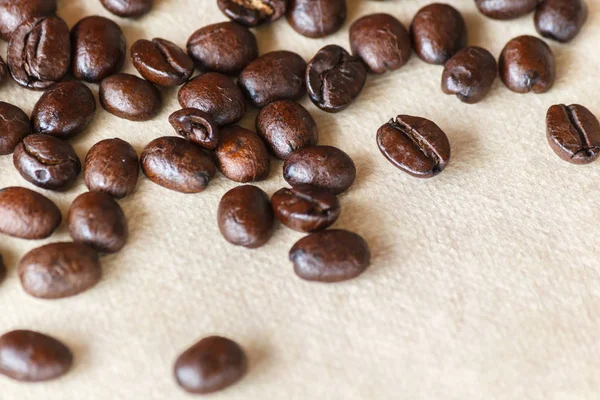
(98, 49)
(39, 52)
(506, 9)
(14, 12)
(381, 41)
(3, 70)
(330, 256)
(334, 78)
(573, 133)
(196, 126)
(161, 62)
(29, 356)
(306, 208)
(14, 126)
(527, 64)
(26, 214)
(177, 164)
(216, 95)
(253, 12)
(210, 365)
(47, 162)
(469, 74)
(560, 20)
(129, 97)
(286, 126)
(2, 269)
(316, 18)
(112, 167)
(278, 75)
(242, 156)
(325, 167)
(128, 8)
(225, 47)
(245, 217)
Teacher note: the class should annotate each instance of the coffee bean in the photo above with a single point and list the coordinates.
(278, 75)
(13, 13)
(96, 220)
(225, 47)
(242, 156)
(573, 133)
(216, 95)
(325, 167)
(3, 70)
(177, 164)
(334, 78)
(253, 12)
(14, 126)
(39, 52)
(506, 9)
(161, 62)
(29, 356)
(316, 18)
(527, 64)
(245, 217)
(129, 97)
(112, 167)
(561, 20)
(210, 365)
(306, 208)
(330, 256)
(98, 49)
(47, 162)
(2, 269)
(469, 74)
(26, 214)
(128, 8)
(196, 126)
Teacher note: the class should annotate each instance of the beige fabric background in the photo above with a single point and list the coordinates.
(484, 284)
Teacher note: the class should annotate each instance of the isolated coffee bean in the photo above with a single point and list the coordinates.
(316, 18)
(306, 208)
(14, 12)
(469, 74)
(506, 9)
(573, 133)
(560, 20)
(2, 269)
(129, 97)
(253, 12)
(196, 126)
(242, 156)
(128, 8)
(14, 126)
(161, 62)
(26, 214)
(112, 167)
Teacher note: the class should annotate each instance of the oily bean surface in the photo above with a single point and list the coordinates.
(161, 62)
(14, 126)
(196, 126)
(316, 18)
(13, 13)
(27, 214)
(469, 74)
(506, 9)
(253, 12)
(306, 208)
(128, 8)
(242, 156)
(561, 20)
(573, 133)
(129, 97)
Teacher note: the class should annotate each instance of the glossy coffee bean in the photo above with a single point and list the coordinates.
(325, 167)
(196, 126)
(129, 97)
(316, 18)
(29, 356)
(47, 162)
(128, 8)
(14, 126)
(306, 208)
(242, 156)
(39, 52)
(560, 20)
(527, 64)
(177, 164)
(216, 95)
(161, 62)
(330, 256)
(573, 133)
(26, 214)
(112, 167)
(14, 12)
(210, 365)
(245, 217)
(98, 49)
(253, 12)
(469, 74)
(2, 269)
(506, 9)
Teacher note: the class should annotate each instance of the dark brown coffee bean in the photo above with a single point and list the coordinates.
(306, 208)
(29, 356)
(278, 75)
(112, 167)
(2, 269)
(216, 95)
(98, 49)
(527, 64)
(47, 162)
(469, 74)
(210, 365)
(560, 20)
(128, 8)
(26, 214)
(316, 18)
(253, 12)
(325, 167)
(245, 217)
(161, 62)
(177, 164)
(573, 133)
(506, 9)
(330, 256)
(242, 156)
(14, 12)
(334, 78)
(39, 52)
(196, 126)
(225, 47)
(14, 126)
(130, 97)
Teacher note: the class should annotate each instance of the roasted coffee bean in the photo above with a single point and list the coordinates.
(573, 133)
(39, 52)
(560, 20)
(253, 12)
(330, 256)
(2, 269)
(216, 95)
(415, 145)
(506, 9)
(112, 167)
(196, 126)
(469, 74)
(3, 70)
(98, 49)
(242, 156)
(306, 208)
(96, 220)
(245, 217)
(177, 164)
(14, 126)
(325, 167)
(161, 62)
(225, 47)
(130, 97)
(334, 78)
(527, 64)
(14, 12)
(47, 162)
(286, 126)
(26, 214)
(128, 8)
(381, 41)
(29, 356)
(210, 365)
(316, 18)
